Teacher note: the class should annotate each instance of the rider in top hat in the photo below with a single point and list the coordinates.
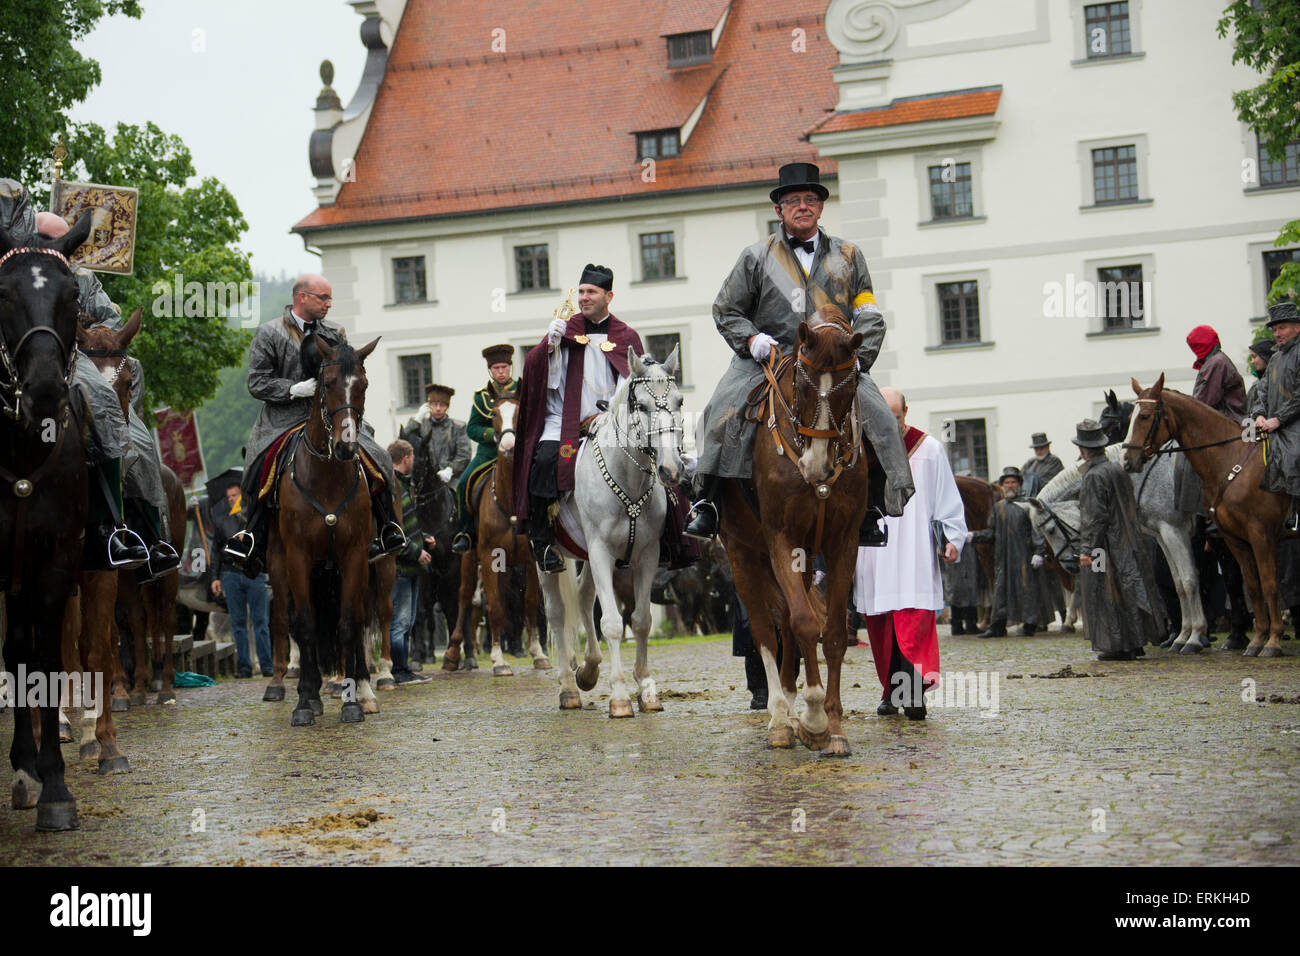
(1043, 467)
(1010, 532)
(275, 377)
(581, 361)
(479, 428)
(793, 276)
(1276, 409)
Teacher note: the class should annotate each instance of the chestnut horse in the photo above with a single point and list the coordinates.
(979, 496)
(498, 549)
(811, 488)
(1230, 468)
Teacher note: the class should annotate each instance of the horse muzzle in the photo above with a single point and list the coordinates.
(345, 450)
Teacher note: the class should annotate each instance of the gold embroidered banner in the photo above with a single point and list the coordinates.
(111, 246)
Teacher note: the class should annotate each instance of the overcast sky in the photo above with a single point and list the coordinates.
(240, 94)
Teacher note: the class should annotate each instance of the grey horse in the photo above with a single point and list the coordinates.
(1055, 513)
(632, 449)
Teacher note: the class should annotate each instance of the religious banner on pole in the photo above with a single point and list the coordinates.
(111, 244)
(178, 444)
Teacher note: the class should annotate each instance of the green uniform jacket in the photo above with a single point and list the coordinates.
(479, 429)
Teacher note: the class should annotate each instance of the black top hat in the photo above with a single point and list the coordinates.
(1038, 440)
(1282, 312)
(1011, 471)
(1089, 434)
(217, 485)
(496, 354)
(799, 176)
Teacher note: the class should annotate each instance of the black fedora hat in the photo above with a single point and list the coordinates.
(1038, 440)
(1089, 434)
(1282, 312)
(1011, 471)
(799, 176)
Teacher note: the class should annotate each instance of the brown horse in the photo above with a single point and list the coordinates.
(498, 549)
(979, 497)
(811, 488)
(150, 607)
(1230, 468)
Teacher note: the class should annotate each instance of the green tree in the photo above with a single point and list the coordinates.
(1266, 37)
(42, 75)
(183, 232)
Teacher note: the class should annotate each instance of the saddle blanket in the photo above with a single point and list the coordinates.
(273, 465)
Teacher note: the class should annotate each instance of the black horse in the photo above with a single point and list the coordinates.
(42, 498)
(435, 503)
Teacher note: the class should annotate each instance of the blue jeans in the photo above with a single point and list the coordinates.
(406, 592)
(248, 602)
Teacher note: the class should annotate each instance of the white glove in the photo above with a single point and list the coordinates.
(1037, 561)
(689, 464)
(423, 414)
(555, 332)
(303, 389)
(970, 535)
(444, 474)
(761, 345)
(818, 578)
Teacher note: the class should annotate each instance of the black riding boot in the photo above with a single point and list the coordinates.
(871, 534)
(702, 519)
(463, 542)
(542, 536)
(144, 519)
(391, 536)
(756, 680)
(110, 545)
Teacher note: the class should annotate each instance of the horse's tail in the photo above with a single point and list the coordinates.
(326, 595)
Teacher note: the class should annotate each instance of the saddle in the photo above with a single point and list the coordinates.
(279, 453)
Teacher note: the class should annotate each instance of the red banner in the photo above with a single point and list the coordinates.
(178, 444)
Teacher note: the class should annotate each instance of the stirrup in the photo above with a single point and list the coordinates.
(691, 516)
(549, 551)
(240, 556)
(168, 554)
(462, 543)
(125, 565)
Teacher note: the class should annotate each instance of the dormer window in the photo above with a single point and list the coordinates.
(690, 49)
(659, 144)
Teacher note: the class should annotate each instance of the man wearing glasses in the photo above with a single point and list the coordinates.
(275, 377)
(794, 275)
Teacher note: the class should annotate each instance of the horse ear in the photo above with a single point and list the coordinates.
(634, 363)
(1159, 385)
(1137, 389)
(855, 342)
(802, 335)
(128, 331)
(363, 353)
(74, 237)
(1111, 398)
(670, 366)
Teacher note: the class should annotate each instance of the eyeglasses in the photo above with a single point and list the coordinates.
(790, 202)
(323, 298)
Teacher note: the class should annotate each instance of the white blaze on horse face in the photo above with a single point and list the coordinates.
(38, 278)
(109, 373)
(813, 464)
(507, 442)
(348, 432)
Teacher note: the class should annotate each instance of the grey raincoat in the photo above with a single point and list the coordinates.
(767, 291)
(1015, 589)
(961, 580)
(1118, 591)
(1278, 396)
(438, 445)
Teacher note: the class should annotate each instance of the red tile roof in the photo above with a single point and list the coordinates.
(456, 129)
(691, 16)
(915, 109)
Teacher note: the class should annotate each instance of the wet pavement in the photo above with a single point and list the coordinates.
(1167, 760)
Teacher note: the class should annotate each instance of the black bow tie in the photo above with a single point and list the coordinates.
(308, 328)
(807, 245)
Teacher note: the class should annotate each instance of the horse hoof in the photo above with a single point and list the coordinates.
(155, 686)
(1067, 628)
(116, 764)
(570, 700)
(65, 730)
(26, 791)
(1270, 651)
(167, 697)
(57, 816)
(649, 705)
(293, 672)
(837, 747)
(809, 739)
(620, 708)
(586, 677)
(781, 737)
(352, 713)
(385, 683)
(317, 707)
(502, 670)
(369, 706)
(448, 664)
(137, 698)
(1191, 647)
(336, 691)
(302, 717)
(89, 751)
(1178, 646)
(541, 664)
(119, 705)
(274, 692)
(1252, 651)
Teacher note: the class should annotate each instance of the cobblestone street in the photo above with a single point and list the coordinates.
(1158, 761)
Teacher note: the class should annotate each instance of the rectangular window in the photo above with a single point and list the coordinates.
(1285, 171)
(1114, 174)
(1119, 297)
(969, 450)
(660, 144)
(408, 280)
(658, 256)
(950, 192)
(1273, 263)
(417, 372)
(689, 49)
(533, 267)
(959, 311)
(661, 346)
(1106, 30)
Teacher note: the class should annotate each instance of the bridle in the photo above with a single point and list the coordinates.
(1065, 553)
(327, 416)
(11, 392)
(1148, 448)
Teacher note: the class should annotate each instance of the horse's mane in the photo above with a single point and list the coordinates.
(310, 358)
(1227, 418)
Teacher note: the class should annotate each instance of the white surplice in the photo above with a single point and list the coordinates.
(905, 573)
(599, 383)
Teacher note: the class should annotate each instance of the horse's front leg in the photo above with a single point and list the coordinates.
(812, 727)
(1245, 555)
(570, 699)
(840, 566)
(279, 623)
(98, 632)
(647, 691)
(494, 601)
(589, 672)
(601, 568)
(356, 668)
(540, 661)
(1177, 548)
(1265, 551)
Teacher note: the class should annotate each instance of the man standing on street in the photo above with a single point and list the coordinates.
(247, 600)
(1015, 594)
(898, 588)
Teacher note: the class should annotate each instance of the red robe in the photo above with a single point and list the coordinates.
(532, 402)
